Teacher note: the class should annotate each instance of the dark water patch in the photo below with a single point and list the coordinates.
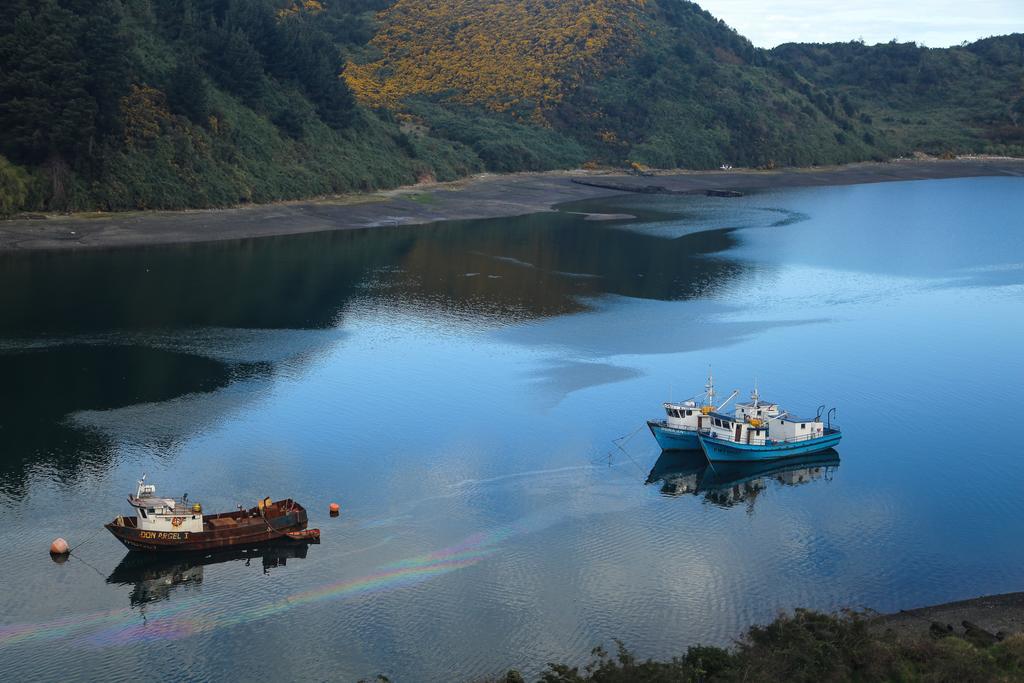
(43, 387)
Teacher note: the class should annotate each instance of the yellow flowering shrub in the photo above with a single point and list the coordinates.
(502, 54)
(310, 6)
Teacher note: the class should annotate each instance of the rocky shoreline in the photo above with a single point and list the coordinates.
(990, 617)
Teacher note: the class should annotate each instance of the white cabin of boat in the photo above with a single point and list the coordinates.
(682, 415)
(688, 415)
(165, 514)
(758, 431)
(789, 428)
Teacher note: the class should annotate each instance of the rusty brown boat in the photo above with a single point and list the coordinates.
(177, 525)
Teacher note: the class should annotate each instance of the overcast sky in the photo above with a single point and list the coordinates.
(935, 23)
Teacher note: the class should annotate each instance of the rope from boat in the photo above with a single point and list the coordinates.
(608, 455)
(643, 472)
(630, 435)
(90, 566)
(619, 443)
(98, 532)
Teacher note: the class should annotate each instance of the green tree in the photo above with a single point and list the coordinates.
(13, 187)
(46, 110)
(188, 93)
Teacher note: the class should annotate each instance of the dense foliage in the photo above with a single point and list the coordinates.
(961, 99)
(121, 104)
(811, 647)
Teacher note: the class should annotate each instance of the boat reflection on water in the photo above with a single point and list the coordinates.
(729, 483)
(156, 577)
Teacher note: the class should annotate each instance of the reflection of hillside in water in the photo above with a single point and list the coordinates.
(729, 484)
(534, 265)
(155, 578)
(97, 330)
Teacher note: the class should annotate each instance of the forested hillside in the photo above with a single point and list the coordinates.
(122, 104)
(173, 103)
(961, 99)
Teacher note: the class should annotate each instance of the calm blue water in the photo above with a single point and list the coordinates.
(456, 388)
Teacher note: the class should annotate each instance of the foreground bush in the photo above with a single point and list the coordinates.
(809, 646)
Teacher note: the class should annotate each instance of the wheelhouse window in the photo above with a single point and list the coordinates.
(143, 513)
(803, 426)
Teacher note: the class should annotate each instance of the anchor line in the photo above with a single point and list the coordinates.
(619, 443)
(643, 472)
(90, 566)
(94, 535)
(631, 434)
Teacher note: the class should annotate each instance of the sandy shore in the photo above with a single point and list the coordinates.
(483, 196)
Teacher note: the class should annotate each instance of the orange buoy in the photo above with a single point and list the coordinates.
(335, 509)
(59, 547)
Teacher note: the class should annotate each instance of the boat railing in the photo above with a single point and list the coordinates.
(181, 506)
(764, 441)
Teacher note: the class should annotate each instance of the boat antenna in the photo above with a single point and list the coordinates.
(710, 387)
(754, 395)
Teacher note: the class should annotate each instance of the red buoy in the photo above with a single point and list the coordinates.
(59, 547)
(335, 509)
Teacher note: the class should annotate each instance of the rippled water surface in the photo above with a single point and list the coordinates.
(456, 387)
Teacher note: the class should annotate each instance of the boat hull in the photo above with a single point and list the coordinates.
(256, 530)
(671, 439)
(721, 450)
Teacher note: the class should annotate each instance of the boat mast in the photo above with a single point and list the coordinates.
(710, 388)
(754, 395)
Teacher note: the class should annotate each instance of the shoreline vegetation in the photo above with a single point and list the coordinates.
(981, 639)
(476, 197)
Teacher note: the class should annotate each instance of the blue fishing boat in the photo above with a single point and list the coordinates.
(678, 431)
(742, 438)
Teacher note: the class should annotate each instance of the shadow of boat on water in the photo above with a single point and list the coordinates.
(729, 484)
(157, 577)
